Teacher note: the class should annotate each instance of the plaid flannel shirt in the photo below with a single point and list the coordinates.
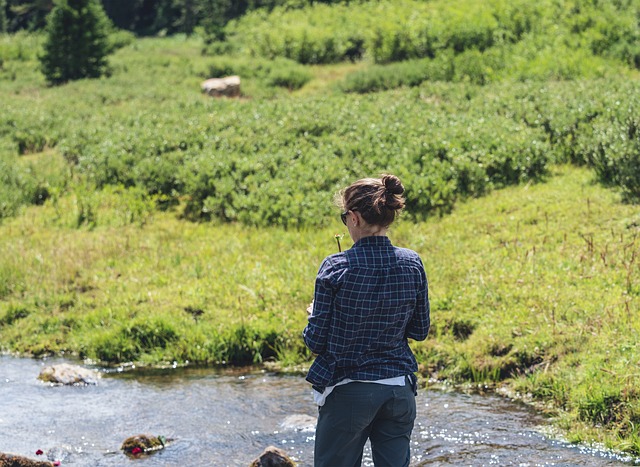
(368, 300)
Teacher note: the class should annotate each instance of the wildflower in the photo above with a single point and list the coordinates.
(39, 452)
(135, 451)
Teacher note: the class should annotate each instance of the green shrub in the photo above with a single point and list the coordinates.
(112, 346)
(409, 73)
(615, 154)
(245, 346)
(280, 72)
(129, 341)
(151, 334)
(534, 60)
(217, 47)
(291, 78)
(14, 312)
(499, 38)
(479, 67)
(471, 66)
(267, 170)
(119, 39)
(12, 189)
(32, 140)
(22, 184)
(277, 161)
(21, 46)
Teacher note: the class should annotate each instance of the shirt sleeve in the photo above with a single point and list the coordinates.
(316, 332)
(418, 327)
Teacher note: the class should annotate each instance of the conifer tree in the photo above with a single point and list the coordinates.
(27, 14)
(215, 18)
(3, 16)
(76, 44)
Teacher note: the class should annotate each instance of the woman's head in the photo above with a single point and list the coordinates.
(378, 200)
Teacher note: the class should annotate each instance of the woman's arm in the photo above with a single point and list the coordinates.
(316, 332)
(418, 327)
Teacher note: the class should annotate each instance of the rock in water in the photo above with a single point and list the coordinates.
(66, 374)
(299, 422)
(273, 457)
(9, 460)
(140, 444)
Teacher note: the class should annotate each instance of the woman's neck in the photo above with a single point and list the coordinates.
(368, 231)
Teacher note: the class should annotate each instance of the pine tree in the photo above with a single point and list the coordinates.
(3, 16)
(215, 17)
(76, 44)
(28, 14)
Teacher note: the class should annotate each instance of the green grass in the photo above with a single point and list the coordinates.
(89, 291)
(539, 287)
(534, 288)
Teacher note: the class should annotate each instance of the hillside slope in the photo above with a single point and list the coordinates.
(533, 287)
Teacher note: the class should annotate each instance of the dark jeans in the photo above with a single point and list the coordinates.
(356, 411)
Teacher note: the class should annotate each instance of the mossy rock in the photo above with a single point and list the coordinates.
(10, 460)
(140, 444)
(273, 457)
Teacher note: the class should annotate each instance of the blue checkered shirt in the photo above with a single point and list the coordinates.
(368, 300)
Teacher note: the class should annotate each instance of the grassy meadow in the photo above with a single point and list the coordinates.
(141, 221)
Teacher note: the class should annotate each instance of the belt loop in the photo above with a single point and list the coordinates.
(413, 382)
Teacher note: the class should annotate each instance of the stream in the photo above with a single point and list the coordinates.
(227, 418)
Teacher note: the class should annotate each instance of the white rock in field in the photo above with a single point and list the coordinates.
(228, 86)
(66, 374)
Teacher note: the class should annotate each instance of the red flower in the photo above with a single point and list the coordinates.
(56, 463)
(39, 452)
(136, 451)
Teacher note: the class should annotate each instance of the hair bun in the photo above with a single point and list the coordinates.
(392, 184)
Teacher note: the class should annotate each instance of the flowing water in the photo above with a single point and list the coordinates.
(227, 419)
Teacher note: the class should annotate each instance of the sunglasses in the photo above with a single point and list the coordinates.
(343, 216)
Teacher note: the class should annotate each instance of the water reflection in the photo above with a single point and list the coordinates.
(227, 419)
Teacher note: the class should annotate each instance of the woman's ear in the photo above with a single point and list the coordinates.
(357, 218)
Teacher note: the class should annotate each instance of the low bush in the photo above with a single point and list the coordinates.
(291, 78)
(280, 72)
(119, 38)
(387, 31)
(276, 161)
(22, 46)
(14, 313)
(471, 66)
(409, 73)
(615, 154)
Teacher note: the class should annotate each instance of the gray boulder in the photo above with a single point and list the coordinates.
(229, 86)
(299, 422)
(72, 375)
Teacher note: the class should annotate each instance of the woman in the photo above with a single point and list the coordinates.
(368, 300)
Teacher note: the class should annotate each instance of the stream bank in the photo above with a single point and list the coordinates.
(228, 418)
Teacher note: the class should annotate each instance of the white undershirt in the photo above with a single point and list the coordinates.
(321, 397)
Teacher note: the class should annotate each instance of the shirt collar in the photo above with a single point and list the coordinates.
(380, 240)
